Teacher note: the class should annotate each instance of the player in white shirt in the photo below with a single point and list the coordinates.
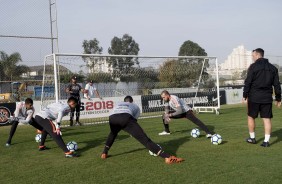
(90, 90)
(23, 115)
(50, 119)
(179, 110)
(124, 117)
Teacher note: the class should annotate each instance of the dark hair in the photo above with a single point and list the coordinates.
(165, 92)
(28, 101)
(72, 99)
(260, 51)
(128, 99)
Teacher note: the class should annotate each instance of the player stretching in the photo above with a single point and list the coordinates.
(23, 114)
(180, 110)
(50, 119)
(124, 117)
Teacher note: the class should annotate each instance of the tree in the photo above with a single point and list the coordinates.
(100, 77)
(244, 74)
(189, 48)
(91, 47)
(177, 73)
(236, 75)
(123, 46)
(9, 68)
(185, 72)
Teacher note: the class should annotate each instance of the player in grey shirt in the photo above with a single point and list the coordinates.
(23, 115)
(50, 119)
(124, 117)
(179, 110)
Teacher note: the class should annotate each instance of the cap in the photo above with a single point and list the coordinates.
(74, 77)
(91, 81)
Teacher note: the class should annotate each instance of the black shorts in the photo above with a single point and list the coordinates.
(265, 110)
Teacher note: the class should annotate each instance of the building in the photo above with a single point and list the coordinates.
(239, 60)
(98, 65)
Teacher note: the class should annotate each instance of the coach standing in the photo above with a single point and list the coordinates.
(261, 78)
(74, 91)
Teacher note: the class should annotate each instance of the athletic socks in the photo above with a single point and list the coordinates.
(266, 138)
(252, 135)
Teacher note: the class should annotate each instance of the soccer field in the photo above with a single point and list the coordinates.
(234, 161)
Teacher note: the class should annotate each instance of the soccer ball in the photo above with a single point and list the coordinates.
(72, 146)
(216, 139)
(195, 132)
(38, 138)
(153, 154)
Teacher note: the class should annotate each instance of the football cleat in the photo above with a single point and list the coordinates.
(164, 133)
(104, 155)
(173, 160)
(265, 144)
(71, 154)
(251, 140)
(7, 144)
(208, 136)
(42, 148)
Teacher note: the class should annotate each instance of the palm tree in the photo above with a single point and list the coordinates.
(9, 68)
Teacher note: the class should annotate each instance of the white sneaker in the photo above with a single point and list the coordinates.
(164, 133)
(208, 136)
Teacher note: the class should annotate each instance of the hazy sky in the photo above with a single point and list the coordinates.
(159, 26)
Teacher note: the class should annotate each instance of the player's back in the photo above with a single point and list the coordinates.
(52, 111)
(127, 107)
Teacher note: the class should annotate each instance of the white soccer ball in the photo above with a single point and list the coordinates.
(216, 139)
(72, 146)
(38, 138)
(195, 132)
(153, 154)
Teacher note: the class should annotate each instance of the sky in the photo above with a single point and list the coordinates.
(159, 26)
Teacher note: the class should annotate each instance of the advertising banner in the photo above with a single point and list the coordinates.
(154, 103)
(6, 110)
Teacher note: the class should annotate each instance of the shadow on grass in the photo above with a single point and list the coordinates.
(278, 135)
(97, 142)
(172, 146)
(211, 128)
(127, 152)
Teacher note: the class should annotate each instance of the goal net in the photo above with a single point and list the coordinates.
(192, 78)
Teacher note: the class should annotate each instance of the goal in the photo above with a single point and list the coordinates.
(192, 78)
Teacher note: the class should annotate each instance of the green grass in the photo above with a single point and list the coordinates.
(234, 161)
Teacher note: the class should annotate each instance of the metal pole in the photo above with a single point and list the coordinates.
(51, 25)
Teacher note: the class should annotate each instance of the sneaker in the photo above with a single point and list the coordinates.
(78, 123)
(42, 148)
(8, 144)
(164, 133)
(104, 155)
(265, 144)
(208, 136)
(71, 154)
(173, 160)
(251, 140)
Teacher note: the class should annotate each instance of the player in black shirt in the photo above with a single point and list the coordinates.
(74, 91)
(261, 79)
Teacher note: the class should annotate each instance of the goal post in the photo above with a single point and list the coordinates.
(192, 78)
